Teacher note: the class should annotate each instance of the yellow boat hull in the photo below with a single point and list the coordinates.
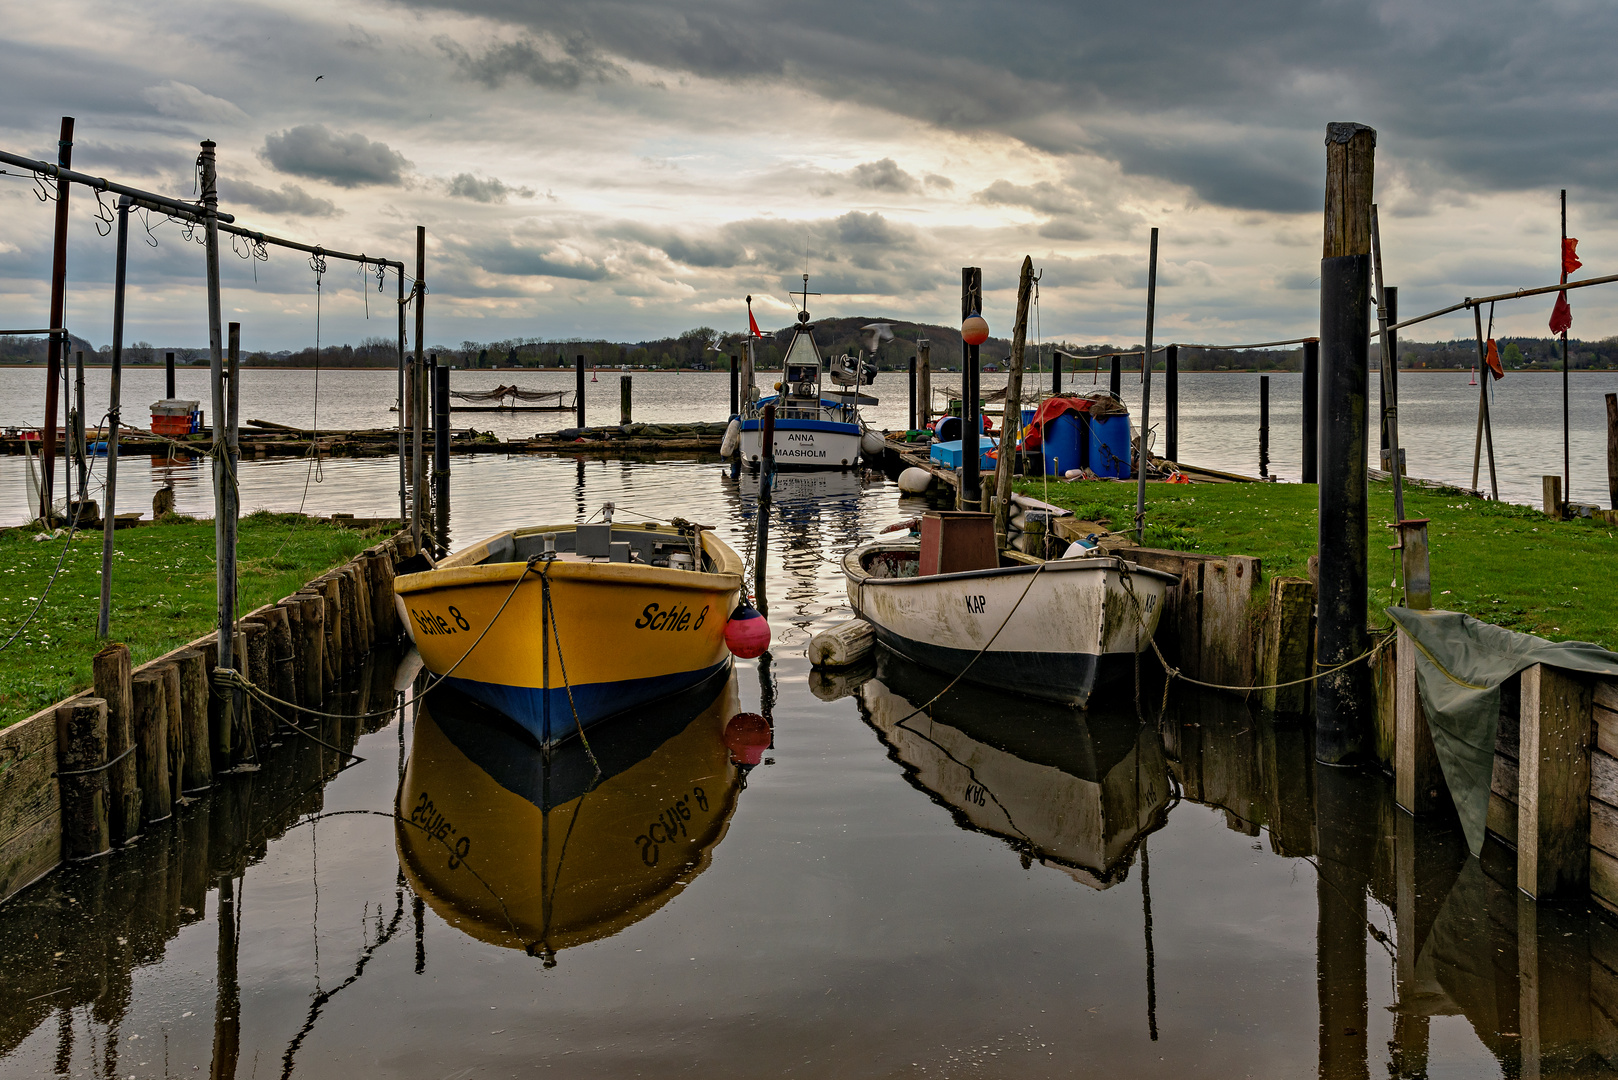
(559, 645)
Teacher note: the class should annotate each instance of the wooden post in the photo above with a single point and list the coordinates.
(385, 612)
(81, 746)
(1011, 417)
(1418, 781)
(294, 613)
(1553, 783)
(312, 646)
(283, 669)
(1343, 698)
(441, 433)
(332, 589)
(1287, 641)
(221, 732)
(1264, 425)
(1056, 371)
(578, 387)
(1311, 412)
(1552, 496)
(1143, 457)
(170, 674)
(1485, 428)
(924, 381)
(624, 383)
(353, 646)
(971, 494)
(1612, 450)
(418, 383)
(150, 698)
(57, 347)
(109, 519)
(761, 541)
(112, 685)
(258, 673)
(168, 375)
(1117, 383)
(197, 774)
(1171, 404)
(910, 416)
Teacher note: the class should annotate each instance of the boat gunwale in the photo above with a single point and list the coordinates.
(856, 572)
(451, 574)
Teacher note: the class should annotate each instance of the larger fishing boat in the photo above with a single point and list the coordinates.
(815, 426)
(560, 626)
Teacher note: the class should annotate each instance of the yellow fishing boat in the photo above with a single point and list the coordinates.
(560, 626)
(543, 850)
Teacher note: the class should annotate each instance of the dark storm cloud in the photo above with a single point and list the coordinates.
(351, 160)
(290, 199)
(566, 66)
(534, 260)
(1231, 100)
(485, 189)
(884, 175)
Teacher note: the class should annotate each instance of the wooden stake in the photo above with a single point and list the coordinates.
(1553, 783)
(624, 386)
(312, 646)
(150, 698)
(81, 746)
(112, 685)
(924, 382)
(1011, 416)
(417, 392)
(1612, 449)
(1143, 457)
(197, 772)
(1485, 429)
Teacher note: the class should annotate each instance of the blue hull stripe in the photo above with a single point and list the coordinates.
(529, 705)
(835, 427)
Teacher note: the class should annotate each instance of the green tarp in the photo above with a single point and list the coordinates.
(1460, 664)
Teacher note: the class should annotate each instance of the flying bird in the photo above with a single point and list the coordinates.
(319, 77)
(874, 335)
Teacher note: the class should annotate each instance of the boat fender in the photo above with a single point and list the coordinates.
(843, 645)
(1080, 548)
(747, 736)
(873, 443)
(747, 633)
(915, 480)
(733, 436)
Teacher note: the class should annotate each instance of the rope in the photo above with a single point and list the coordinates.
(556, 636)
(95, 768)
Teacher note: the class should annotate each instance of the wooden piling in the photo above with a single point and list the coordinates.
(1287, 643)
(1264, 425)
(81, 753)
(624, 385)
(257, 635)
(197, 770)
(1612, 450)
(365, 602)
(221, 736)
(1553, 783)
(353, 646)
(578, 387)
(112, 685)
(1311, 413)
(1117, 383)
(175, 739)
(312, 647)
(924, 381)
(910, 416)
(150, 699)
(1056, 372)
(294, 613)
(1171, 404)
(1418, 782)
(385, 614)
(971, 489)
(283, 666)
(331, 588)
(1343, 698)
(1552, 496)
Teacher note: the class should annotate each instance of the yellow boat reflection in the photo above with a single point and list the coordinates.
(541, 852)
(1076, 791)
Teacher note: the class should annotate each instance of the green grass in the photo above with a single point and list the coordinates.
(1505, 564)
(162, 594)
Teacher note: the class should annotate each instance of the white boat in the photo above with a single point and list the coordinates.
(815, 428)
(1050, 630)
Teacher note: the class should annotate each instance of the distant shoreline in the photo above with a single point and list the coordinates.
(726, 371)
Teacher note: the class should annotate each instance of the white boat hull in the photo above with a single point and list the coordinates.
(806, 445)
(1047, 637)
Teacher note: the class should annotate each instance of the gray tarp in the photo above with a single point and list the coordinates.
(1460, 664)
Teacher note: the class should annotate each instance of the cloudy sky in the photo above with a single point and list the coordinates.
(630, 168)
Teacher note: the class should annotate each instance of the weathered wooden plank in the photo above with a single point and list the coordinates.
(1604, 878)
(1504, 780)
(1604, 949)
(1553, 798)
(30, 803)
(1229, 614)
(1418, 781)
(30, 853)
(1606, 725)
(1604, 826)
(1605, 693)
(1604, 777)
(1287, 646)
(1501, 820)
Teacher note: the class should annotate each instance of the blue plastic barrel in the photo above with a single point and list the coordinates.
(1064, 447)
(947, 428)
(1109, 446)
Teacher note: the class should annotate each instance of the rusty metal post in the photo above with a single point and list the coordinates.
(57, 348)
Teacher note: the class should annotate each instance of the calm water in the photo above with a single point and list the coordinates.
(984, 889)
(1218, 428)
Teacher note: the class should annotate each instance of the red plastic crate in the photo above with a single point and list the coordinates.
(171, 425)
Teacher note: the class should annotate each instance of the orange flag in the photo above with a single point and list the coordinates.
(1492, 358)
(1570, 256)
(1561, 315)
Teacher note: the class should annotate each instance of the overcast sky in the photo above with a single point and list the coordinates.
(633, 168)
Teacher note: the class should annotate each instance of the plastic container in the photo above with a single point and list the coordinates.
(948, 454)
(1064, 444)
(946, 428)
(1109, 446)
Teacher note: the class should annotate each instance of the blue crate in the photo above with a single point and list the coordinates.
(948, 454)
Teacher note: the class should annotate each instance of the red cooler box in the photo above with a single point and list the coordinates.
(174, 416)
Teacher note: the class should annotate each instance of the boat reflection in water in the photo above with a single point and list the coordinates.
(543, 851)
(1077, 791)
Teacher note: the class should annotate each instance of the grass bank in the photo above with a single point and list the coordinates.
(1505, 564)
(162, 596)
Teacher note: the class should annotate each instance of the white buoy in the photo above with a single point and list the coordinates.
(842, 645)
(733, 435)
(873, 442)
(915, 480)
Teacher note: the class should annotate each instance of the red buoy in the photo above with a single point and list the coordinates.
(747, 736)
(747, 634)
(974, 330)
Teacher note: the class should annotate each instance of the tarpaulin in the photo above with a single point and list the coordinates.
(1460, 664)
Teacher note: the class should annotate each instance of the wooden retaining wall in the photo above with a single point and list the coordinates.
(359, 594)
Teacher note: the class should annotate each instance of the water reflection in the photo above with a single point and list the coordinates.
(544, 851)
(1076, 791)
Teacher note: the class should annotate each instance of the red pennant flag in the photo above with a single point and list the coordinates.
(752, 323)
(1561, 315)
(1570, 256)
(1492, 358)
